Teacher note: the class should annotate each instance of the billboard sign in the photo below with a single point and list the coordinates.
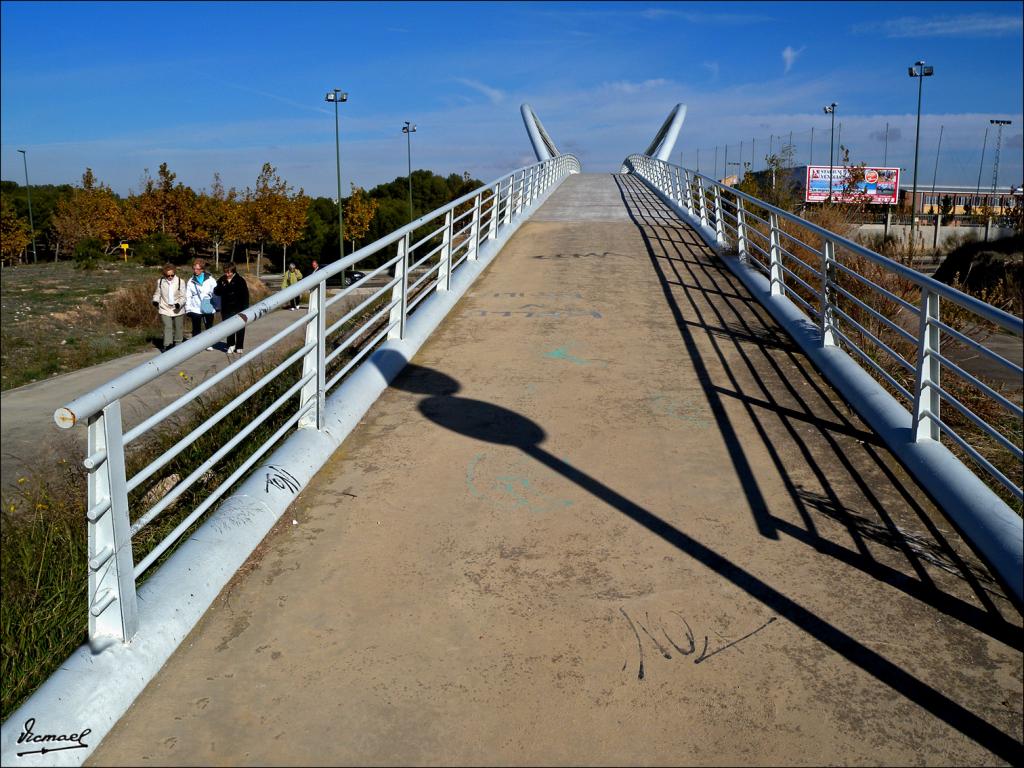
(880, 186)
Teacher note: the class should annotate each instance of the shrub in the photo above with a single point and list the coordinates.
(132, 306)
(158, 249)
(88, 252)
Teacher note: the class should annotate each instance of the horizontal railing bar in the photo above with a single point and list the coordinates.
(980, 423)
(427, 257)
(978, 458)
(167, 456)
(877, 368)
(415, 300)
(219, 454)
(810, 288)
(896, 356)
(426, 274)
(758, 248)
(337, 324)
(209, 501)
(907, 335)
(216, 378)
(799, 242)
(1009, 405)
(754, 216)
(791, 294)
(991, 355)
(765, 269)
(364, 280)
(814, 271)
(872, 284)
(362, 353)
(350, 339)
(435, 233)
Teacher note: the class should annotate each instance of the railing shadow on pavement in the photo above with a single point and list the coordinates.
(491, 423)
(773, 398)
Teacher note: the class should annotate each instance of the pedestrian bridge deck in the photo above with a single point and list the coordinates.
(609, 515)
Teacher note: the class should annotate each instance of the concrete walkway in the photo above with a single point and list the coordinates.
(609, 516)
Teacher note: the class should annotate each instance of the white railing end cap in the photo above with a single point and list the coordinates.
(64, 418)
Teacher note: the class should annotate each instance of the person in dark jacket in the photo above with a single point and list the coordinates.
(234, 297)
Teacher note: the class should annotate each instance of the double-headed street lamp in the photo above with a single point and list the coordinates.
(31, 223)
(338, 96)
(920, 71)
(408, 129)
(831, 110)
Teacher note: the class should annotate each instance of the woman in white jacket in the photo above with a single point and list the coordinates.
(169, 300)
(199, 298)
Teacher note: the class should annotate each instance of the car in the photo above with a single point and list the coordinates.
(353, 277)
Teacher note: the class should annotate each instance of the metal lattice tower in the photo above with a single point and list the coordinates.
(995, 162)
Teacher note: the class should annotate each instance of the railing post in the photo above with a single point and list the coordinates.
(444, 268)
(828, 315)
(400, 291)
(689, 193)
(775, 255)
(493, 223)
(519, 194)
(703, 202)
(474, 230)
(508, 201)
(113, 608)
(315, 360)
(926, 396)
(741, 229)
(719, 227)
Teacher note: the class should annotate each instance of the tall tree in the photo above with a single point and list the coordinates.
(215, 212)
(91, 212)
(14, 232)
(359, 212)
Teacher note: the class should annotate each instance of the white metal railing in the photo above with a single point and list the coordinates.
(427, 252)
(824, 275)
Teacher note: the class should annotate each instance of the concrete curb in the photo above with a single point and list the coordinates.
(95, 687)
(987, 524)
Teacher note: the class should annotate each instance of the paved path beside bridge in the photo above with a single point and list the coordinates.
(610, 515)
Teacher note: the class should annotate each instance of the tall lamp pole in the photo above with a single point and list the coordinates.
(920, 71)
(338, 96)
(31, 223)
(831, 110)
(409, 129)
(995, 162)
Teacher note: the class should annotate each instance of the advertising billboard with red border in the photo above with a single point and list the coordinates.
(880, 186)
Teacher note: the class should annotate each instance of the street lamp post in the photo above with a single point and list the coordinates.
(831, 110)
(920, 71)
(31, 223)
(409, 129)
(337, 96)
(995, 163)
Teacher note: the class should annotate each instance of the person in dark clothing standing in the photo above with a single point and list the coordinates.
(234, 297)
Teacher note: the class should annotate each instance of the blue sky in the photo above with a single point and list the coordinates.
(225, 87)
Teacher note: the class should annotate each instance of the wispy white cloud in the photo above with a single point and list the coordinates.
(712, 68)
(494, 94)
(789, 56)
(696, 17)
(624, 86)
(966, 25)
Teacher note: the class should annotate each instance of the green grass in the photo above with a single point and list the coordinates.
(55, 318)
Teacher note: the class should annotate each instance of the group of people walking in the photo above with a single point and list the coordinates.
(200, 297)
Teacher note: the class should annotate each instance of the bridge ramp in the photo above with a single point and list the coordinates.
(610, 515)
